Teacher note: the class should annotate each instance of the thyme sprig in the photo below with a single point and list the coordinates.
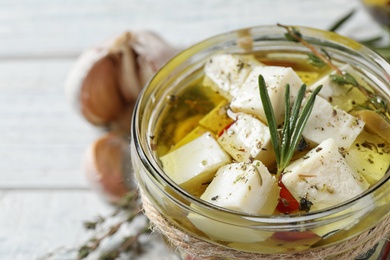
(375, 101)
(130, 207)
(293, 34)
(285, 142)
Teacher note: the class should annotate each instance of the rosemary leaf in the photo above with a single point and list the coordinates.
(301, 123)
(373, 42)
(286, 127)
(297, 106)
(270, 116)
(341, 21)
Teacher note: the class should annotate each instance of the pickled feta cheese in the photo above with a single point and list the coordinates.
(327, 122)
(245, 187)
(195, 133)
(323, 177)
(225, 73)
(198, 159)
(247, 139)
(276, 78)
(217, 119)
(337, 93)
(329, 87)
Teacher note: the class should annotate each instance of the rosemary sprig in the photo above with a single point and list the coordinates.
(285, 143)
(375, 101)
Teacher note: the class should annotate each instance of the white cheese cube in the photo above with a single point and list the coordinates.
(323, 177)
(329, 87)
(247, 139)
(276, 78)
(342, 96)
(327, 122)
(199, 158)
(238, 187)
(243, 187)
(225, 73)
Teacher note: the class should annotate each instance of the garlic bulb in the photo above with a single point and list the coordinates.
(105, 80)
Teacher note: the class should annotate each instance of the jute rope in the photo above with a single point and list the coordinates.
(206, 250)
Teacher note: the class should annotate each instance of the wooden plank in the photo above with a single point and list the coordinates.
(42, 139)
(63, 28)
(35, 224)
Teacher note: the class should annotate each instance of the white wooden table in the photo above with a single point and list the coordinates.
(44, 196)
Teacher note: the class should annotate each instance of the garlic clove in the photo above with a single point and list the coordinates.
(107, 161)
(92, 87)
(100, 97)
(142, 54)
(374, 123)
(127, 67)
(152, 52)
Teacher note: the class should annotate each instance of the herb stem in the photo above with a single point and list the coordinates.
(298, 37)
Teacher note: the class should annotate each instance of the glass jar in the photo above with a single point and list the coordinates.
(236, 231)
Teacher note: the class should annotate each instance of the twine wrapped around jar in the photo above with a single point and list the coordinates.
(201, 249)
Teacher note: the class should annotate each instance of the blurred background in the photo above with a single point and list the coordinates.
(44, 193)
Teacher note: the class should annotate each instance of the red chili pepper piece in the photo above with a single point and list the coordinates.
(287, 203)
(225, 128)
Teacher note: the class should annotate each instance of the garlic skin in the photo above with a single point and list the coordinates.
(106, 163)
(106, 79)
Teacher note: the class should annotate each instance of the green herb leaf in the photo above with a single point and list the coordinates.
(293, 35)
(345, 79)
(300, 123)
(374, 43)
(315, 60)
(341, 21)
(287, 123)
(270, 116)
(295, 120)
